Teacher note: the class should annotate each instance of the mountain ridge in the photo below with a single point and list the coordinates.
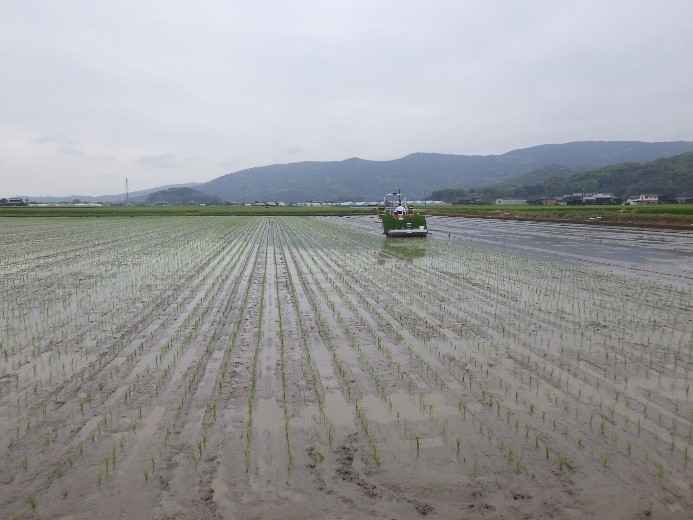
(417, 174)
(420, 173)
(666, 176)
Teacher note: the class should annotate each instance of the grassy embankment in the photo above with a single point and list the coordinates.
(670, 216)
(660, 216)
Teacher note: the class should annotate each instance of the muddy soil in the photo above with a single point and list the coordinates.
(260, 367)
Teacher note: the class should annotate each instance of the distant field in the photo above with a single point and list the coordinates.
(674, 216)
(144, 211)
(659, 209)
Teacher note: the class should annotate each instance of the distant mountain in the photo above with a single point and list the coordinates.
(671, 176)
(419, 174)
(134, 195)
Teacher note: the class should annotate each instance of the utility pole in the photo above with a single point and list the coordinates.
(127, 193)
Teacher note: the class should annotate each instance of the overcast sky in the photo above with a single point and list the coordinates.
(164, 92)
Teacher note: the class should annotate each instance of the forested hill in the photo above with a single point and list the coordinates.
(420, 174)
(179, 196)
(667, 176)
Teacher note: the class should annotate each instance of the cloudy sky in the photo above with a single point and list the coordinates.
(163, 92)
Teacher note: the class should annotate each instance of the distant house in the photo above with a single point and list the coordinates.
(467, 201)
(511, 201)
(13, 201)
(643, 200)
(590, 199)
(542, 201)
(669, 199)
(601, 199)
(576, 199)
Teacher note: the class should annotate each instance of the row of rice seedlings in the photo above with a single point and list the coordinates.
(356, 345)
(282, 356)
(244, 275)
(193, 372)
(286, 254)
(371, 369)
(248, 436)
(193, 321)
(365, 286)
(222, 300)
(326, 332)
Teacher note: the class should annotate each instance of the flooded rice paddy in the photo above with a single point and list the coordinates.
(260, 367)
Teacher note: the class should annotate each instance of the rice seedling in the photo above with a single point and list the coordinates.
(518, 465)
(659, 468)
(562, 462)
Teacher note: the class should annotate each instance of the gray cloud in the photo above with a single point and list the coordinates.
(69, 150)
(173, 91)
(103, 160)
(164, 160)
(60, 140)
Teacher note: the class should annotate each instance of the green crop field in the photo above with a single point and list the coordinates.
(677, 216)
(172, 211)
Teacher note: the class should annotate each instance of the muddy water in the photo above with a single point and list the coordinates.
(664, 253)
(667, 255)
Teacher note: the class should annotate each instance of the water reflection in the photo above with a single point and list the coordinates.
(402, 249)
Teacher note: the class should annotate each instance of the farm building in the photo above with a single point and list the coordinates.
(12, 201)
(643, 200)
(511, 201)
